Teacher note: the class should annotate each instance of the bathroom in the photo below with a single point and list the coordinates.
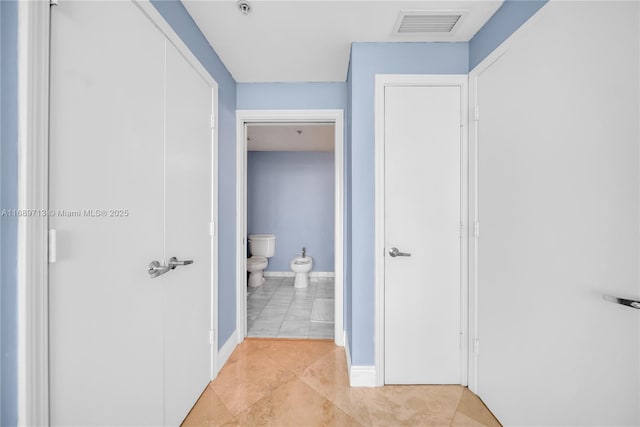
(290, 213)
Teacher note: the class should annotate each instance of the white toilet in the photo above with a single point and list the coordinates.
(261, 246)
(301, 265)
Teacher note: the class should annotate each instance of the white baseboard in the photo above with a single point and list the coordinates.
(312, 275)
(359, 376)
(227, 349)
(278, 273)
(362, 376)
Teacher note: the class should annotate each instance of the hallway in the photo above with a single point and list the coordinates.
(305, 383)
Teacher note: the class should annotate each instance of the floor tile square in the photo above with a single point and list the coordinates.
(322, 310)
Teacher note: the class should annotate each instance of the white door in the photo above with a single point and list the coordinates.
(126, 349)
(558, 206)
(188, 209)
(422, 328)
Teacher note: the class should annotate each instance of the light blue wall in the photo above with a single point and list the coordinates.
(292, 96)
(177, 16)
(291, 194)
(507, 19)
(8, 200)
(367, 60)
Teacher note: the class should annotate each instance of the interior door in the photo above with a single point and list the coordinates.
(131, 182)
(106, 197)
(422, 328)
(558, 206)
(188, 207)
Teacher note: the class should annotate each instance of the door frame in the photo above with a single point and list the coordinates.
(33, 195)
(244, 117)
(407, 80)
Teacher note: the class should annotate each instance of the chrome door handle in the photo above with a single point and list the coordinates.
(628, 302)
(174, 262)
(156, 269)
(394, 252)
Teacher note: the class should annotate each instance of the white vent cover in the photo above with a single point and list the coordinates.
(427, 22)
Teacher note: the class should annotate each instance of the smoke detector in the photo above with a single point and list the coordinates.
(421, 22)
(244, 7)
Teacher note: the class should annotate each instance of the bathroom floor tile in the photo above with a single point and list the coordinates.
(322, 330)
(277, 309)
(264, 328)
(325, 293)
(298, 313)
(294, 329)
(322, 310)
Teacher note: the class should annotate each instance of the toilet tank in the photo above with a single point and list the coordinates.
(262, 244)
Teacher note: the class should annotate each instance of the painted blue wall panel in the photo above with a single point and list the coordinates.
(291, 194)
(177, 16)
(367, 60)
(8, 200)
(507, 19)
(292, 96)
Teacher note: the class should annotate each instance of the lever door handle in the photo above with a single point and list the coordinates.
(628, 302)
(174, 262)
(394, 252)
(156, 269)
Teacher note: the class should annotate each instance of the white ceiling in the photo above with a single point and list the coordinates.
(310, 40)
(285, 137)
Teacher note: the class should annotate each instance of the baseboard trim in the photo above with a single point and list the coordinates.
(225, 352)
(359, 376)
(312, 275)
(362, 376)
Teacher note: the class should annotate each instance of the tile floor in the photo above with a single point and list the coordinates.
(277, 309)
(304, 383)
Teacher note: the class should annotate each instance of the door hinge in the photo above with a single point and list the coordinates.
(476, 229)
(476, 113)
(213, 121)
(54, 2)
(476, 346)
(212, 335)
(53, 246)
(212, 228)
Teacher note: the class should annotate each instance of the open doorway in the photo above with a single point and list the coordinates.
(290, 201)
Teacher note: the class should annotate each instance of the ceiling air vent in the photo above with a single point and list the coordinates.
(427, 22)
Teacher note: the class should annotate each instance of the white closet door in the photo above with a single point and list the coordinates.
(188, 207)
(106, 154)
(422, 220)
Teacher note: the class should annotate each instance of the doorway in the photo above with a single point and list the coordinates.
(256, 122)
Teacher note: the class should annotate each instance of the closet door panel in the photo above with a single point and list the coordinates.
(106, 199)
(188, 207)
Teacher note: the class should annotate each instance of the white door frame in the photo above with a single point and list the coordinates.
(388, 80)
(244, 117)
(33, 196)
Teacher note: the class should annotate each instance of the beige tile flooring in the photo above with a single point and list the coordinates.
(274, 382)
